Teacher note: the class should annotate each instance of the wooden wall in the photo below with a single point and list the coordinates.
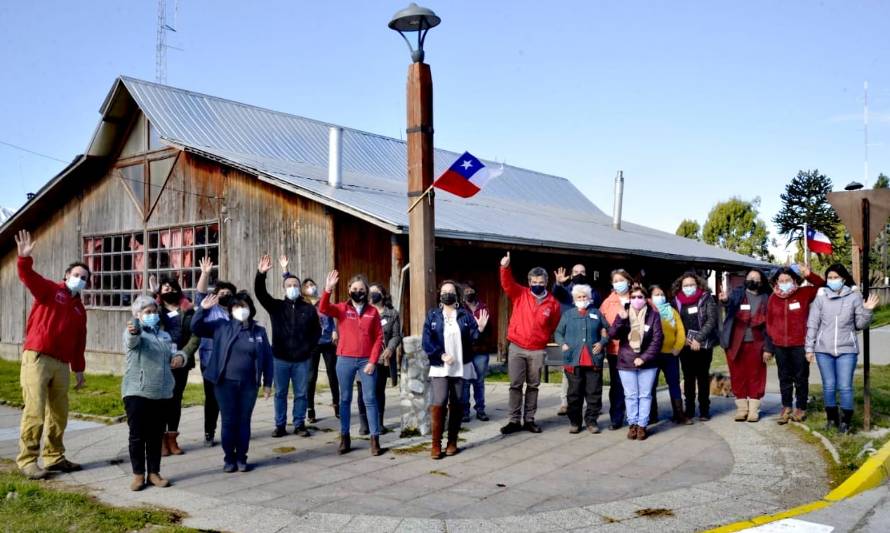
(361, 248)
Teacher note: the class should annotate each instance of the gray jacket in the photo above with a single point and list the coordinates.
(833, 321)
(148, 372)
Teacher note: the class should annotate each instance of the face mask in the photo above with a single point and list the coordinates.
(752, 284)
(171, 298)
(150, 320)
(241, 313)
(471, 297)
(787, 286)
(358, 296)
(835, 284)
(448, 298)
(376, 298)
(75, 284)
(538, 290)
(620, 287)
(690, 291)
(579, 279)
(638, 303)
(659, 300)
(582, 304)
(292, 293)
(226, 301)
(311, 291)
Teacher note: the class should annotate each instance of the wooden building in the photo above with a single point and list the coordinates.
(171, 176)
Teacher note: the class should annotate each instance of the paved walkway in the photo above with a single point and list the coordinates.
(680, 479)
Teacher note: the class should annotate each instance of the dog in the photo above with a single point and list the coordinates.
(720, 385)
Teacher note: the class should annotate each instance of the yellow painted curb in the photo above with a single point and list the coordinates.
(871, 474)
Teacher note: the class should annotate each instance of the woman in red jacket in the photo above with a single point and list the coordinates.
(360, 343)
(786, 326)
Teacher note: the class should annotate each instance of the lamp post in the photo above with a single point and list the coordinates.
(421, 240)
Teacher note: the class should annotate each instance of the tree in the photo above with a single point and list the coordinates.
(805, 201)
(735, 226)
(883, 182)
(690, 229)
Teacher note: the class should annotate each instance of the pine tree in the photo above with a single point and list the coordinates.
(805, 201)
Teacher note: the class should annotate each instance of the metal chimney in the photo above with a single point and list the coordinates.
(618, 200)
(335, 157)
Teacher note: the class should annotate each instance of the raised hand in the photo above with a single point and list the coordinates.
(208, 302)
(153, 284)
(331, 281)
(560, 275)
(482, 321)
(206, 265)
(265, 264)
(282, 260)
(872, 302)
(24, 243)
(805, 271)
(505, 261)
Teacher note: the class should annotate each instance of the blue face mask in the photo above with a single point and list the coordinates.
(689, 291)
(835, 284)
(538, 290)
(292, 292)
(150, 320)
(620, 287)
(659, 300)
(787, 286)
(75, 284)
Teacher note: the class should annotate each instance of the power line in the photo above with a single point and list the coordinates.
(23, 149)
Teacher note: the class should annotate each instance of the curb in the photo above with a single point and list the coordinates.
(870, 475)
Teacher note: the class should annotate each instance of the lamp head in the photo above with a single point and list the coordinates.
(412, 19)
(853, 186)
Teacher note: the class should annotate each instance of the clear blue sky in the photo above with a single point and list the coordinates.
(695, 101)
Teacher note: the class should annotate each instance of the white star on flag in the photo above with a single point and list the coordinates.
(467, 164)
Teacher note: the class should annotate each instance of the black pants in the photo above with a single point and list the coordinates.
(794, 375)
(329, 352)
(146, 420)
(379, 389)
(174, 405)
(211, 408)
(616, 393)
(697, 373)
(585, 384)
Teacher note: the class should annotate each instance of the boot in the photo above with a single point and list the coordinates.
(454, 418)
(375, 446)
(172, 445)
(741, 410)
(363, 424)
(679, 415)
(345, 445)
(158, 481)
(832, 421)
(753, 410)
(437, 423)
(165, 445)
(846, 425)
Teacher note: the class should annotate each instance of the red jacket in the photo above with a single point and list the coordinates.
(57, 325)
(786, 320)
(361, 335)
(533, 322)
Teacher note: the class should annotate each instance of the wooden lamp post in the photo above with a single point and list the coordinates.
(421, 239)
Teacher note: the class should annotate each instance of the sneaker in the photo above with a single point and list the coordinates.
(228, 468)
(531, 427)
(33, 471)
(574, 429)
(243, 467)
(301, 430)
(466, 418)
(64, 465)
(310, 416)
(593, 428)
(512, 427)
(279, 432)
(563, 409)
(482, 416)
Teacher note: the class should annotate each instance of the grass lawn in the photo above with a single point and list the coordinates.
(101, 396)
(850, 446)
(48, 507)
(881, 316)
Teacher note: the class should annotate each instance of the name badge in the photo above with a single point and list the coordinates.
(173, 314)
(593, 316)
(382, 321)
(745, 307)
(692, 310)
(646, 328)
(794, 306)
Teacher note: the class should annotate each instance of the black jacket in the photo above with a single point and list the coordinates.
(295, 325)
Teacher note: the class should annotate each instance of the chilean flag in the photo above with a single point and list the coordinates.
(818, 242)
(466, 176)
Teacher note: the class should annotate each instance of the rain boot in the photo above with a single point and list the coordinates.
(437, 423)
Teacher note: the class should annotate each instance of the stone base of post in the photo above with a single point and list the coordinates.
(414, 388)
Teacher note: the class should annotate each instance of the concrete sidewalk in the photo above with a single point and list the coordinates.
(680, 479)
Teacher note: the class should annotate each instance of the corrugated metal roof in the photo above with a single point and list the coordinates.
(520, 206)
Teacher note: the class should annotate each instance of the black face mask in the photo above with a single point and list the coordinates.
(358, 296)
(448, 298)
(579, 279)
(376, 298)
(171, 298)
(226, 301)
(538, 290)
(471, 297)
(752, 285)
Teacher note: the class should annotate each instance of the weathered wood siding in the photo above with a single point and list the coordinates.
(361, 249)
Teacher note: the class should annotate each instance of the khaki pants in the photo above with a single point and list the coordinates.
(524, 368)
(45, 392)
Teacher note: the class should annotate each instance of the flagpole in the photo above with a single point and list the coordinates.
(806, 247)
(420, 198)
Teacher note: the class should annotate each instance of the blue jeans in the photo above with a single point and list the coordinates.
(236, 401)
(347, 367)
(837, 376)
(285, 373)
(480, 364)
(638, 394)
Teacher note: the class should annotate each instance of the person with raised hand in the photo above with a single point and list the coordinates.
(392, 339)
(55, 341)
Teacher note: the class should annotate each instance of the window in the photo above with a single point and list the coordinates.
(120, 262)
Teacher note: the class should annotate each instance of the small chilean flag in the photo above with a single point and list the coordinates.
(466, 176)
(818, 242)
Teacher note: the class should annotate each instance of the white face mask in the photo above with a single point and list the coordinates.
(75, 284)
(582, 304)
(240, 313)
(292, 293)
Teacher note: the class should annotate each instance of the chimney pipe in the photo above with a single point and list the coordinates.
(335, 157)
(618, 200)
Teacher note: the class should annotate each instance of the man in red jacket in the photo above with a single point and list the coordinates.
(534, 319)
(55, 340)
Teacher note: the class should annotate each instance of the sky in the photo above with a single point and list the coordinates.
(695, 101)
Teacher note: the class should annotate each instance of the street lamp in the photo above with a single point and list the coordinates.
(853, 186)
(421, 217)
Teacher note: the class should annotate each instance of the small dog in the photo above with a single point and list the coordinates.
(720, 385)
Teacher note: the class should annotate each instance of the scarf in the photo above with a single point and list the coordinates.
(637, 328)
(667, 313)
(689, 300)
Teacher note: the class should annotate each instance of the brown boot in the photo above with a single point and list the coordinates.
(375, 446)
(437, 423)
(679, 415)
(172, 445)
(632, 432)
(158, 481)
(165, 445)
(454, 419)
(641, 433)
(345, 444)
(138, 482)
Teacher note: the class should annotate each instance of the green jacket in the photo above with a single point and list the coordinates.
(577, 330)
